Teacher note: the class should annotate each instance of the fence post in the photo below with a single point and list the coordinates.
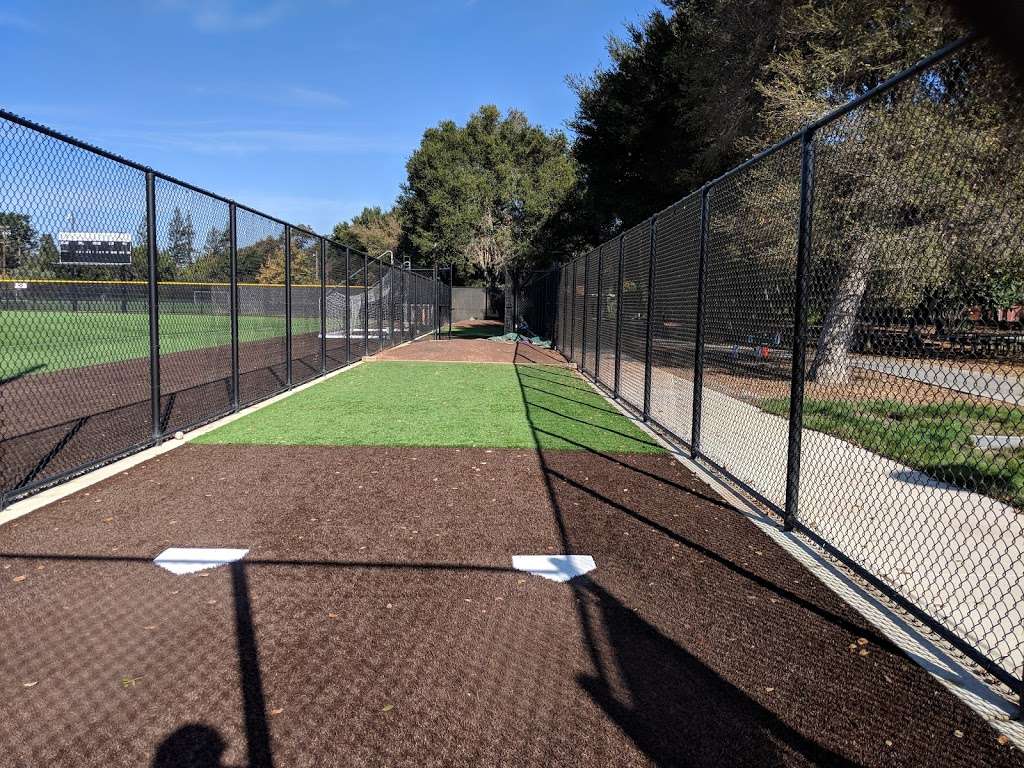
(154, 307)
(233, 259)
(698, 341)
(366, 304)
(651, 274)
(796, 394)
(583, 336)
(380, 305)
(288, 302)
(437, 300)
(618, 320)
(348, 307)
(323, 306)
(597, 330)
(391, 305)
(572, 313)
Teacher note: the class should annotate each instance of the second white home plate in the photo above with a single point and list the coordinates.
(554, 567)
(181, 560)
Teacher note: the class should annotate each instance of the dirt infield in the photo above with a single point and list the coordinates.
(77, 416)
(376, 621)
(472, 351)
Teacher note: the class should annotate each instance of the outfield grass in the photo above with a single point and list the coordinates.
(448, 405)
(935, 439)
(34, 341)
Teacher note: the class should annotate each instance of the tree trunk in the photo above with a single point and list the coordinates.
(832, 360)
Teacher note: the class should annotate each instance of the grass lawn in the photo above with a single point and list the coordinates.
(438, 404)
(935, 439)
(33, 341)
(474, 332)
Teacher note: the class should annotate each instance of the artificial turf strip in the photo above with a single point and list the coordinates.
(444, 405)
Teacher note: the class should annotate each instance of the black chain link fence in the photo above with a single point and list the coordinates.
(837, 328)
(134, 305)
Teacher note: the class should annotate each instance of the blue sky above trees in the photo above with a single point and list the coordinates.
(306, 109)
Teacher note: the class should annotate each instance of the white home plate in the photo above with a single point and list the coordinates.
(181, 560)
(554, 567)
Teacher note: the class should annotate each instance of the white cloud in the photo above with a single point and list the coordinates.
(314, 97)
(14, 21)
(226, 15)
(204, 140)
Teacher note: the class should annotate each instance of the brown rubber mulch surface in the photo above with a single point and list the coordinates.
(472, 351)
(376, 622)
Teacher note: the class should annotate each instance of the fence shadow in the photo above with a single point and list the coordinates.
(673, 707)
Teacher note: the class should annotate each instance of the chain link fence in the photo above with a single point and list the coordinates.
(836, 327)
(134, 305)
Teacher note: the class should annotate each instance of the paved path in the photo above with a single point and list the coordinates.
(959, 555)
(997, 386)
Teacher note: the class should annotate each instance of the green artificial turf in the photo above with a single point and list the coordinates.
(439, 404)
(935, 438)
(39, 341)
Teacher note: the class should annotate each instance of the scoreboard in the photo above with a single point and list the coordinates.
(95, 248)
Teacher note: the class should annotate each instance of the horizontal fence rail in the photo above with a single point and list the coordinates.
(134, 305)
(836, 327)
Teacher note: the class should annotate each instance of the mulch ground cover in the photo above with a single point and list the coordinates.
(376, 621)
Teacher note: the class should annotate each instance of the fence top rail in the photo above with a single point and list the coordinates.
(92, 148)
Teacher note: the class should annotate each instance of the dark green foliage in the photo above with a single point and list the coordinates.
(483, 196)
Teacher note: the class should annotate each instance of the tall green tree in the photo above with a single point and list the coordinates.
(18, 240)
(181, 236)
(676, 106)
(482, 196)
(372, 230)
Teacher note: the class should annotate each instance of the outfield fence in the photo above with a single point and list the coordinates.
(134, 305)
(834, 328)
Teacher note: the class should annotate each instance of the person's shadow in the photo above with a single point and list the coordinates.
(191, 746)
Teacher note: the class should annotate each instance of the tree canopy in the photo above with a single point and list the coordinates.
(484, 196)
(373, 231)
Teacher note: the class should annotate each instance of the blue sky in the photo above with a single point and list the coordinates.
(306, 109)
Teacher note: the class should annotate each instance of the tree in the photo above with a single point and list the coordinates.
(272, 270)
(481, 196)
(923, 247)
(181, 234)
(18, 240)
(676, 107)
(373, 231)
(214, 262)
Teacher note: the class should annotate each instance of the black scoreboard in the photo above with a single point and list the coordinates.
(95, 248)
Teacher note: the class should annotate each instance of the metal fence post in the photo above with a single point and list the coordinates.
(648, 345)
(391, 306)
(233, 258)
(597, 329)
(583, 336)
(323, 306)
(380, 305)
(698, 341)
(348, 306)
(437, 299)
(572, 313)
(618, 320)
(288, 302)
(366, 305)
(154, 307)
(796, 394)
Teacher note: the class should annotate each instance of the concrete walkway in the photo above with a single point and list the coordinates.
(1006, 387)
(955, 553)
